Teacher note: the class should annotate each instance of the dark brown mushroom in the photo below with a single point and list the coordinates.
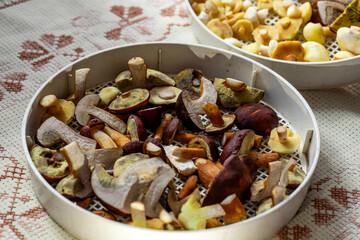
(132, 147)
(151, 116)
(170, 131)
(202, 141)
(136, 128)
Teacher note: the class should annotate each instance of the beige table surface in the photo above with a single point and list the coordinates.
(39, 37)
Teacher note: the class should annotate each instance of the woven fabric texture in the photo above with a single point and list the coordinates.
(39, 37)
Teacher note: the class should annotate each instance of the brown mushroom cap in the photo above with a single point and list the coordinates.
(240, 143)
(87, 108)
(202, 141)
(235, 177)
(132, 147)
(151, 116)
(158, 145)
(229, 121)
(52, 131)
(262, 119)
(186, 114)
(189, 79)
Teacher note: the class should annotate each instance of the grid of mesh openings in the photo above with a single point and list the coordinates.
(179, 181)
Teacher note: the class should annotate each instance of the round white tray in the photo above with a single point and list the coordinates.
(171, 58)
(302, 75)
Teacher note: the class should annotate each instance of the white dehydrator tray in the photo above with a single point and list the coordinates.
(302, 75)
(171, 58)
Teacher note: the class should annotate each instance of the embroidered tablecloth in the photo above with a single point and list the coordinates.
(39, 37)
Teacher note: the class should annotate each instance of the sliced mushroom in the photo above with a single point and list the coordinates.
(170, 131)
(143, 181)
(193, 216)
(189, 187)
(87, 108)
(80, 83)
(234, 210)
(94, 123)
(288, 28)
(52, 131)
(240, 143)
(151, 116)
(125, 161)
(106, 157)
(235, 177)
(165, 95)
(262, 189)
(186, 113)
(208, 94)
(139, 76)
(175, 204)
(60, 108)
(184, 167)
(264, 33)
(295, 177)
(77, 185)
(288, 144)
(262, 119)
(207, 170)
(243, 29)
(231, 99)
(202, 141)
(136, 128)
(132, 147)
(154, 149)
(130, 101)
(222, 29)
(189, 79)
(46, 163)
(108, 94)
(349, 17)
(326, 12)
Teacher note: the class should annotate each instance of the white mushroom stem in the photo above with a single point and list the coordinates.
(138, 214)
(138, 71)
(53, 130)
(80, 83)
(282, 133)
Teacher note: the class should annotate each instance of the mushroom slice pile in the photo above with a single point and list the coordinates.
(143, 181)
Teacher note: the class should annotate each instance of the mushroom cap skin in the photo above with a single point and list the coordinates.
(229, 121)
(132, 147)
(240, 143)
(53, 130)
(235, 177)
(87, 108)
(158, 144)
(170, 130)
(262, 119)
(185, 112)
(151, 116)
(202, 141)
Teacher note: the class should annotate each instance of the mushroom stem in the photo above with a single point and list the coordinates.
(160, 130)
(189, 153)
(213, 113)
(263, 159)
(184, 137)
(80, 83)
(102, 139)
(138, 71)
(119, 138)
(138, 214)
(188, 188)
(282, 133)
(51, 103)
